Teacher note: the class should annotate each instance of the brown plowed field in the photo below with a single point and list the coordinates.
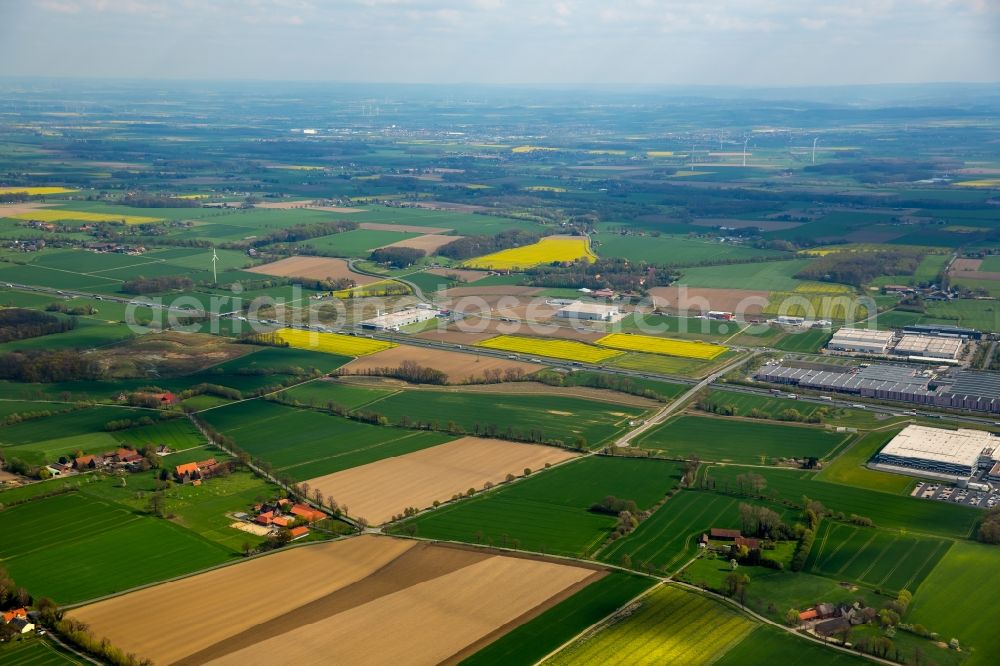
(411, 228)
(726, 300)
(382, 489)
(197, 612)
(428, 621)
(458, 366)
(6, 210)
(298, 606)
(429, 243)
(315, 268)
(966, 265)
(464, 274)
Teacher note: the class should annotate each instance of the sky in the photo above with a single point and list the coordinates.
(645, 42)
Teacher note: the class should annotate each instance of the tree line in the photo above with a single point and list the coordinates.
(21, 323)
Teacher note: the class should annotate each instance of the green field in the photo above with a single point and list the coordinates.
(557, 417)
(849, 467)
(769, 645)
(304, 444)
(766, 276)
(891, 511)
(323, 392)
(771, 406)
(37, 652)
(957, 602)
(74, 547)
(536, 638)
(356, 243)
(806, 342)
(668, 538)
(178, 434)
(671, 626)
(661, 365)
(737, 440)
(549, 512)
(880, 559)
(674, 250)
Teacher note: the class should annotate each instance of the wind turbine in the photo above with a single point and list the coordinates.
(215, 259)
(814, 149)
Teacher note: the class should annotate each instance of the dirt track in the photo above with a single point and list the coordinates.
(315, 268)
(382, 489)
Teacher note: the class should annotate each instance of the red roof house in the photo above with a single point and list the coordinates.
(186, 468)
(300, 531)
(717, 533)
(310, 514)
(810, 614)
(17, 612)
(265, 518)
(282, 521)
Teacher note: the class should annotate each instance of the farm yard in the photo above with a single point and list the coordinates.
(668, 625)
(335, 591)
(380, 490)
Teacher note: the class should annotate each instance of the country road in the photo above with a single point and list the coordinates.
(679, 402)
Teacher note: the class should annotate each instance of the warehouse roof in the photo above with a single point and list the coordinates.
(590, 308)
(984, 384)
(927, 345)
(957, 447)
(874, 377)
(861, 335)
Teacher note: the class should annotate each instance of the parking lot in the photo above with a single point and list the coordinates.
(948, 493)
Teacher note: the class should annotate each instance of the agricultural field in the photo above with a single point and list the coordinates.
(665, 541)
(885, 510)
(550, 512)
(805, 342)
(674, 250)
(768, 645)
(60, 215)
(111, 548)
(331, 343)
(305, 444)
(380, 490)
(724, 439)
(767, 276)
(315, 268)
(458, 366)
(357, 242)
(346, 593)
(666, 346)
(547, 250)
(877, 558)
(661, 365)
(849, 467)
(533, 640)
(954, 602)
(35, 191)
(670, 625)
(836, 306)
(38, 652)
(566, 418)
(570, 350)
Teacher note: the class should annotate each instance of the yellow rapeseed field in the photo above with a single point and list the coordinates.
(981, 182)
(33, 191)
(529, 149)
(570, 350)
(666, 346)
(58, 215)
(553, 248)
(332, 343)
(823, 288)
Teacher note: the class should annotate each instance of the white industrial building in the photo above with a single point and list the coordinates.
(393, 321)
(929, 346)
(590, 311)
(950, 453)
(861, 340)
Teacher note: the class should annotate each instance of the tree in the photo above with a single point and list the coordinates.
(247, 547)
(157, 504)
(792, 617)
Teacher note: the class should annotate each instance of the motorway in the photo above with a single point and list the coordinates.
(855, 402)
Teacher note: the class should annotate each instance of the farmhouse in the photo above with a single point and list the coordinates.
(724, 534)
(299, 532)
(88, 462)
(832, 626)
(860, 340)
(195, 471)
(590, 312)
(307, 512)
(952, 453)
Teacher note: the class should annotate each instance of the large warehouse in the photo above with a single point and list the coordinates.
(956, 453)
(861, 340)
(590, 311)
(928, 346)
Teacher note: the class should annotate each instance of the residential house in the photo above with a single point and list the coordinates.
(23, 625)
(88, 462)
(163, 450)
(282, 521)
(832, 626)
(825, 611)
(60, 469)
(11, 615)
(751, 544)
(265, 518)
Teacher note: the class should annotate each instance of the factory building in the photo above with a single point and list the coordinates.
(393, 321)
(955, 453)
(590, 312)
(929, 346)
(943, 330)
(861, 340)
